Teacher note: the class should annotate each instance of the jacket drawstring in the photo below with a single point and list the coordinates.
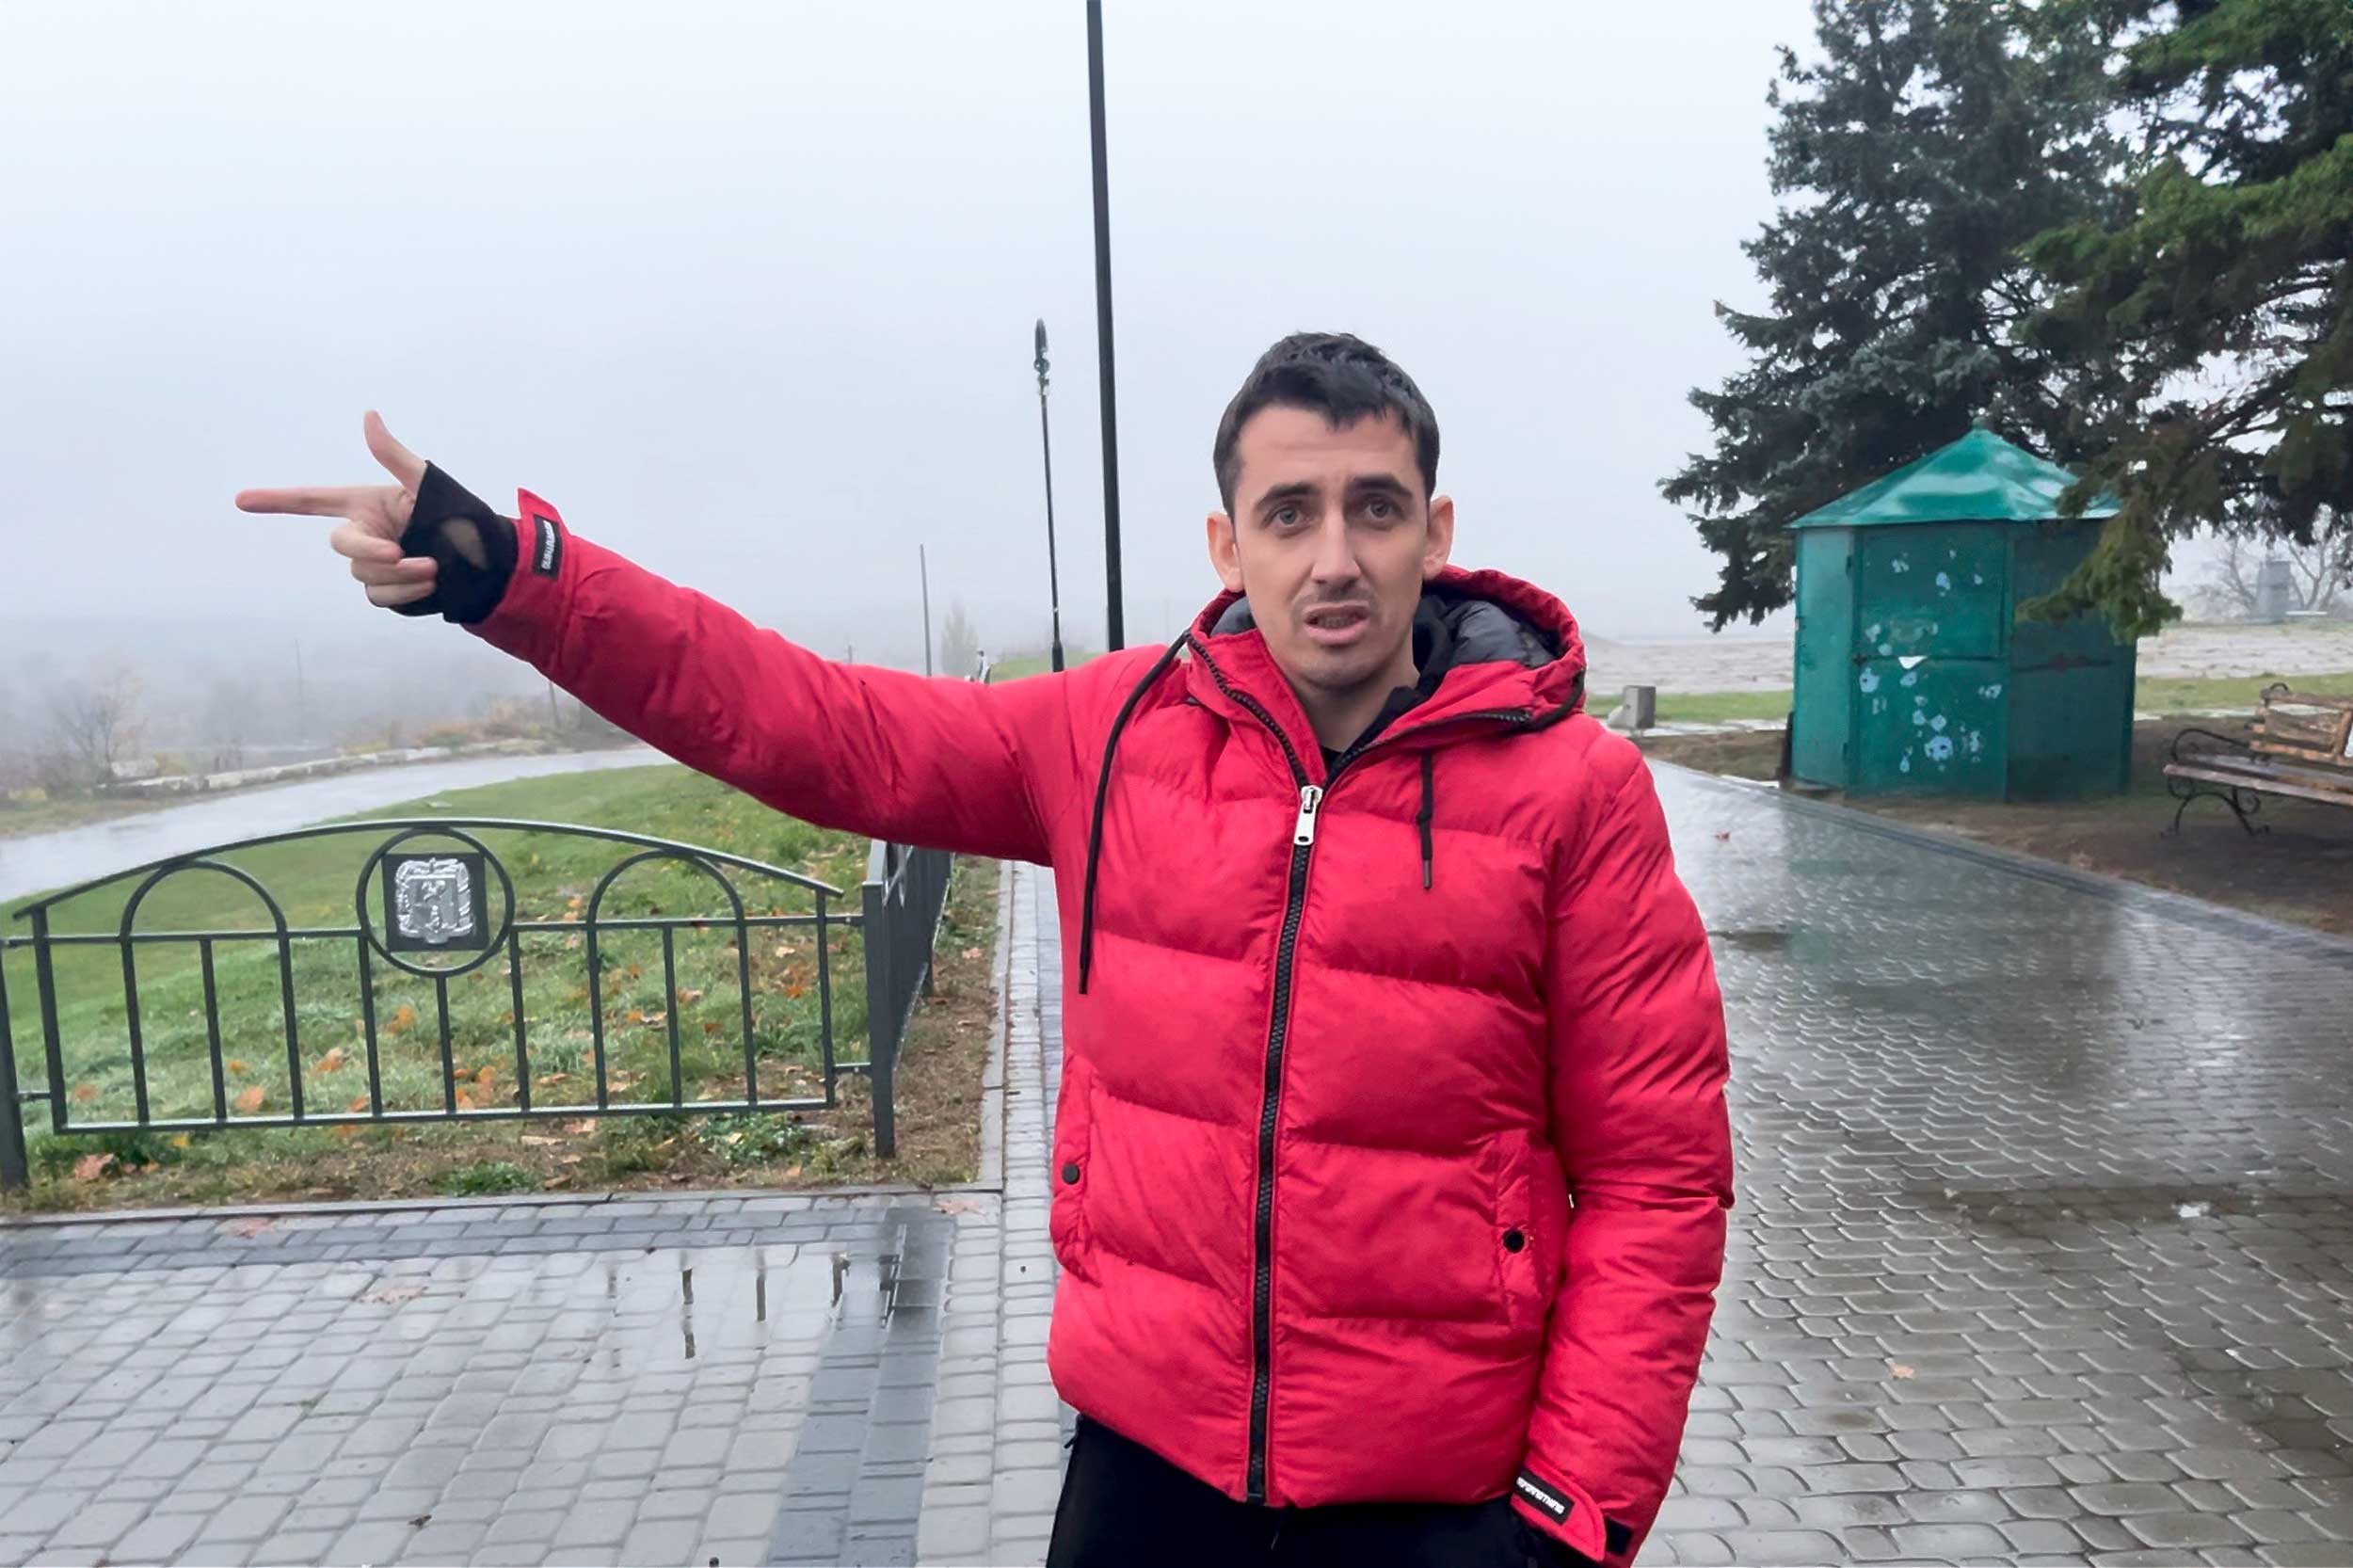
(1102, 792)
(1429, 805)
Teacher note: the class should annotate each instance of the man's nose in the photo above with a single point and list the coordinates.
(1335, 554)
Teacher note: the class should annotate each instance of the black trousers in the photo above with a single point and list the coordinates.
(1124, 1506)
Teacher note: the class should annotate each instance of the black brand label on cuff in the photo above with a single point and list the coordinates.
(1554, 1506)
(547, 552)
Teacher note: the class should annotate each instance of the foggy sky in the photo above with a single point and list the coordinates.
(747, 290)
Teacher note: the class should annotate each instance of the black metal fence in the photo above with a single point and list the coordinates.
(905, 892)
(434, 905)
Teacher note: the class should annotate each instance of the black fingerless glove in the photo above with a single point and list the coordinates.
(472, 546)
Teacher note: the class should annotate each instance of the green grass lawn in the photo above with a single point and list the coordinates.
(1039, 664)
(2152, 694)
(1707, 707)
(554, 874)
(2177, 695)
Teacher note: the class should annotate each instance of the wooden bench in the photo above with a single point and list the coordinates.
(2299, 745)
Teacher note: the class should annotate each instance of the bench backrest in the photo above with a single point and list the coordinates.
(2309, 729)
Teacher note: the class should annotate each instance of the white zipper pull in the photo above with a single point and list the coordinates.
(1310, 796)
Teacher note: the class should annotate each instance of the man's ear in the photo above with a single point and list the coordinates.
(1225, 552)
(1439, 543)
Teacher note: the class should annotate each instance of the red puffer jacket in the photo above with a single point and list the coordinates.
(1392, 1158)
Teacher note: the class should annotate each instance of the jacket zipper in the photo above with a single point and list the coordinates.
(1311, 799)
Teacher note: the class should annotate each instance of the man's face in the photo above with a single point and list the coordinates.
(1332, 540)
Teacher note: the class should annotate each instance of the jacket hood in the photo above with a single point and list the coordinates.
(1515, 645)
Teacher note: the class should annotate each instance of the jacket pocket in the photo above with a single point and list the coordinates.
(1073, 1135)
(1531, 1230)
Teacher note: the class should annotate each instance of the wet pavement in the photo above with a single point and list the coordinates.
(2044, 1246)
(41, 862)
(644, 1381)
(2045, 1254)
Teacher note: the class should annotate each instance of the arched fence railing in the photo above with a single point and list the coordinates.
(433, 907)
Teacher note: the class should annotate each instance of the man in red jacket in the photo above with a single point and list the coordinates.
(1391, 1158)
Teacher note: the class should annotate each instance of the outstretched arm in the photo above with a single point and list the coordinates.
(950, 764)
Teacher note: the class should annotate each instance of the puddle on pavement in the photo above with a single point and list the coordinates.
(1803, 946)
(2024, 1211)
(673, 1307)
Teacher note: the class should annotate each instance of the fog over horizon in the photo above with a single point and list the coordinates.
(746, 291)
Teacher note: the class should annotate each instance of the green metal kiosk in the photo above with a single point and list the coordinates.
(1914, 674)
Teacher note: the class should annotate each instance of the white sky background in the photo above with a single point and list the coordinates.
(747, 290)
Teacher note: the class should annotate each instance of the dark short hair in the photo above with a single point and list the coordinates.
(1339, 375)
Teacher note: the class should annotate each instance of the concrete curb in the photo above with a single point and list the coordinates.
(495, 1201)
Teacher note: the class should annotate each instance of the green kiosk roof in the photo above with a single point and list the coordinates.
(1978, 479)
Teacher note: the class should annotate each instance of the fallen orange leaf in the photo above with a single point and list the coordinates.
(711, 1026)
(250, 1101)
(360, 1103)
(86, 1093)
(485, 1076)
(234, 1066)
(334, 1061)
(465, 1100)
(584, 1124)
(688, 998)
(91, 1166)
(404, 1019)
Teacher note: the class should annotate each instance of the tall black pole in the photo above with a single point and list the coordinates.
(1116, 636)
(1046, 441)
(923, 564)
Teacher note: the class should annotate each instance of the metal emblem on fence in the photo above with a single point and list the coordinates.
(434, 903)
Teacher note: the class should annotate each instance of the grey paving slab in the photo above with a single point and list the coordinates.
(471, 1403)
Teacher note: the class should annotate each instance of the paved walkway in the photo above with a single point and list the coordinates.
(2046, 1198)
(2044, 1255)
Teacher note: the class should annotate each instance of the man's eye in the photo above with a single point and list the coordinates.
(1381, 507)
(1286, 517)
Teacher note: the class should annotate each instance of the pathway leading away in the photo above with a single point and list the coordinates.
(2044, 1253)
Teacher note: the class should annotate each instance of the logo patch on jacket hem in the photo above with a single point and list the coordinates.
(1555, 1508)
(547, 555)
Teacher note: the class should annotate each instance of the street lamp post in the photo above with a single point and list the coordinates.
(1046, 443)
(923, 565)
(1116, 638)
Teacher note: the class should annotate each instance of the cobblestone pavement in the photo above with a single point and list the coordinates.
(2045, 1254)
(735, 1380)
(2045, 1245)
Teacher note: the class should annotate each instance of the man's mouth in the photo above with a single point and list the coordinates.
(1334, 624)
